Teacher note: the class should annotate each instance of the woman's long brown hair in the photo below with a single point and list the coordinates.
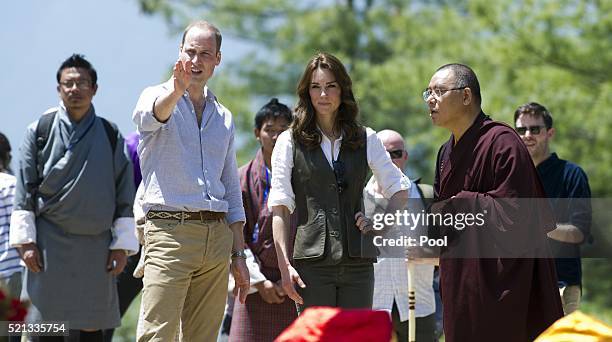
(304, 127)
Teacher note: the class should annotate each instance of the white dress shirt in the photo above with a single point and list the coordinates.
(391, 275)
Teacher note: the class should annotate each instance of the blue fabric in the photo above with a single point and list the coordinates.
(564, 180)
(186, 167)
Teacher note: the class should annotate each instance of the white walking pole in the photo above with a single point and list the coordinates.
(411, 303)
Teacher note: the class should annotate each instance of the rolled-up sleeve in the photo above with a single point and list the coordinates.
(231, 181)
(281, 191)
(22, 228)
(124, 235)
(387, 175)
(143, 112)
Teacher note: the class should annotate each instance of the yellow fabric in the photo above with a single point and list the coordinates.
(576, 327)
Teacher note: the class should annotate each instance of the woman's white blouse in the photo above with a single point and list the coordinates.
(390, 178)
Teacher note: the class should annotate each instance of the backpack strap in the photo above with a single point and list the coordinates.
(43, 129)
(111, 133)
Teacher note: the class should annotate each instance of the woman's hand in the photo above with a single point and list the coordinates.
(290, 277)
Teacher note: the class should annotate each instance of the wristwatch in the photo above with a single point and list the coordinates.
(239, 254)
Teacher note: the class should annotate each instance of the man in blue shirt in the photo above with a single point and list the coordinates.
(567, 187)
(192, 198)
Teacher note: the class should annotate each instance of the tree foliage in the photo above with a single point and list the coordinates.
(555, 52)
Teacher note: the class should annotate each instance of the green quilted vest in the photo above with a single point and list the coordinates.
(326, 231)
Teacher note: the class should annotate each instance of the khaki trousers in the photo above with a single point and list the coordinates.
(185, 279)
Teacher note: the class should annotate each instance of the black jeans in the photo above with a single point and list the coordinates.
(74, 336)
(345, 286)
(425, 327)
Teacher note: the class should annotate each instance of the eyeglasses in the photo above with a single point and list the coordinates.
(396, 154)
(339, 173)
(83, 84)
(437, 93)
(535, 130)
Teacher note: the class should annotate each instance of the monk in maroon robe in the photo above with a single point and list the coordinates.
(497, 282)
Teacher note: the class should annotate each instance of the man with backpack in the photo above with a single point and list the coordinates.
(72, 219)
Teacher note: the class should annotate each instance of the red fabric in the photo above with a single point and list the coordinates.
(253, 183)
(326, 324)
(256, 320)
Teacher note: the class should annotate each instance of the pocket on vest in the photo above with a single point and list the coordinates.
(310, 239)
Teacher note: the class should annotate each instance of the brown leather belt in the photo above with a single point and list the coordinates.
(185, 215)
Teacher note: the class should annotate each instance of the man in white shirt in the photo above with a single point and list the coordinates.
(391, 273)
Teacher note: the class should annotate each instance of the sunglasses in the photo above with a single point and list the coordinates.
(532, 129)
(396, 154)
(339, 172)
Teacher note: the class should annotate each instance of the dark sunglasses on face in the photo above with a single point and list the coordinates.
(339, 172)
(396, 154)
(533, 129)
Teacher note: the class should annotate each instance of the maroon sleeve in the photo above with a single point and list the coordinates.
(510, 199)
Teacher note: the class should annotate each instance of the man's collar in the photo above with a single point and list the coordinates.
(63, 112)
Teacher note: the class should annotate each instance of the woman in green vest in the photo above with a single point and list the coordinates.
(319, 168)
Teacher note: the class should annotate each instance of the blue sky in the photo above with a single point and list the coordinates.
(130, 51)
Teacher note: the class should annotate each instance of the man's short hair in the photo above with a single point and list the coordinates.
(536, 110)
(78, 61)
(205, 25)
(272, 110)
(464, 77)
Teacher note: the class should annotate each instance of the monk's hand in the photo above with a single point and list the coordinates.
(181, 73)
(240, 272)
(268, 292)
(31, 257)
(363, 223)
(117, 259)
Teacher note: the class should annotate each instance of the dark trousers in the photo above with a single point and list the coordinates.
(74, 336)
(344, 286)
(425, 327)
(128, 288)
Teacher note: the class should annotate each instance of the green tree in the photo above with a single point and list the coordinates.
(554, 52)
